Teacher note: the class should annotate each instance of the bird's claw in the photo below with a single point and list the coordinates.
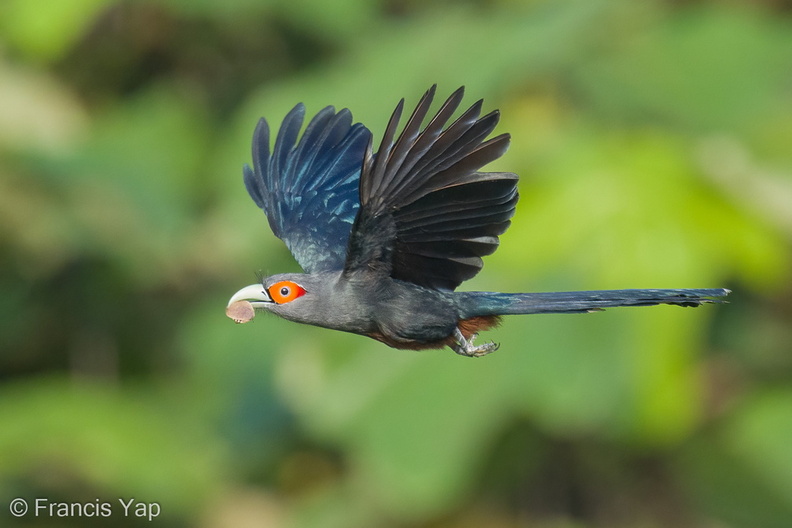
(465, 347)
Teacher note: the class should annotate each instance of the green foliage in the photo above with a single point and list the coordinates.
(652, 139)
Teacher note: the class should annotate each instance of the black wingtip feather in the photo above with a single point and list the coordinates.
(425, 188)
(372, 177)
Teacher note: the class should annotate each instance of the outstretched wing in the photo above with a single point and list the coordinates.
(427, 215)
(309, 192)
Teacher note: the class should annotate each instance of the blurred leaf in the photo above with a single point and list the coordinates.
(638, 196)
(742, 473)
(117, 442)
(130, 188)
(46, 30)
(152, 149)
(383, 60)
(760, 435)
(704, 69)
(36, 113)
(229, 379)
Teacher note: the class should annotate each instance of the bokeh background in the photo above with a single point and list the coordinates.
(654, 142)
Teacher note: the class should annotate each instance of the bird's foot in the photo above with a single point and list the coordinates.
(465, 347)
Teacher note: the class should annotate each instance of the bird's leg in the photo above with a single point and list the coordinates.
(465, 347)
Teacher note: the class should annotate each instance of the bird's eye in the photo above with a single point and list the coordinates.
(285, 291)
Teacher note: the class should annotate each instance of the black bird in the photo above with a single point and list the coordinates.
(386, 238)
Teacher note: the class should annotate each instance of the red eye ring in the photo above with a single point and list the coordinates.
(285, 291)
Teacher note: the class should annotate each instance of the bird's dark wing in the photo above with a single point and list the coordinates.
(427, 215)
(309, 192)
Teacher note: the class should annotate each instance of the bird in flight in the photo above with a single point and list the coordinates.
(385, 239)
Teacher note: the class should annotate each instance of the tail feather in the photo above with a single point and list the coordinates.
(474, 304)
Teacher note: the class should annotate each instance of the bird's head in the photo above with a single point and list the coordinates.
(288, 295)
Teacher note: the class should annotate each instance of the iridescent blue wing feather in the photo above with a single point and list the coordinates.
(309, 188)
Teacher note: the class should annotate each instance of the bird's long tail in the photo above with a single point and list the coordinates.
(474, 304)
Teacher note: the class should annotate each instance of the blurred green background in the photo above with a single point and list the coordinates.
(654, 142)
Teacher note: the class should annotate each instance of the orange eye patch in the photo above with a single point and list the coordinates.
(285, 291)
